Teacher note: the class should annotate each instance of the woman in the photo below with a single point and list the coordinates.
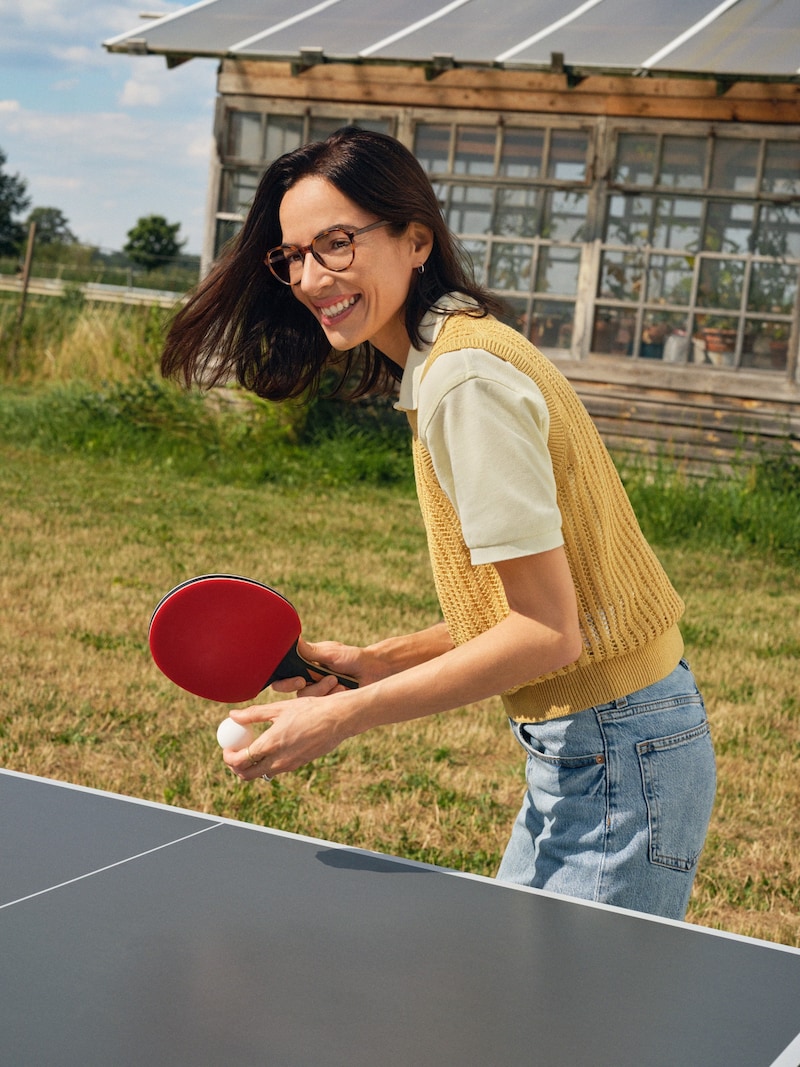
(550, 595)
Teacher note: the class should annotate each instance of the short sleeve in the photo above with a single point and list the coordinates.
(485, 425)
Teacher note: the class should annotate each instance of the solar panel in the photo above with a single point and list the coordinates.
(700, 36)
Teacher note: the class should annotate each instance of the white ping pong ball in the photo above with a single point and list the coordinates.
(232, 734)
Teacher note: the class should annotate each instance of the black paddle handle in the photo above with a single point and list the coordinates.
(293, 665)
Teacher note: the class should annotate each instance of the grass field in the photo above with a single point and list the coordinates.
(109, 496)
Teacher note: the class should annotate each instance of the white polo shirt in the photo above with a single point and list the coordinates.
(485, 425)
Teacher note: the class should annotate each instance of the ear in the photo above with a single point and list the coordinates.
(421, 237)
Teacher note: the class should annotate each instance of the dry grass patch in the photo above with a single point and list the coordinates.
(89, 545)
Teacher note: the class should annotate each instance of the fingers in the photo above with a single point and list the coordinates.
(323, 687)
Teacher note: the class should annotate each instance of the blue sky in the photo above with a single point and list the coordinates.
(105, 138)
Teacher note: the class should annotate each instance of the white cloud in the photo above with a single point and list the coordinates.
(139, 93)
(9, 106)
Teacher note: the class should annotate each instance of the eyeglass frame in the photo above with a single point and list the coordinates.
(303, 250)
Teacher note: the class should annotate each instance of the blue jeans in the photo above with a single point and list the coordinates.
(619, 798)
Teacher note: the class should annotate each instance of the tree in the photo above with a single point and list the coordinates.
(153, 242)
(52, 228)
(13, 201)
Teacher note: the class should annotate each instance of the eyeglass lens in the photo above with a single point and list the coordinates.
(333, 250)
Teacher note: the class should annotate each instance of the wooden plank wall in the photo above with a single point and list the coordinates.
(688, 423)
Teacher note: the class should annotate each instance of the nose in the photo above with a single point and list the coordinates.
(313, 273)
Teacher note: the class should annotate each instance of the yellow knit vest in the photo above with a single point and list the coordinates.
(627, 607)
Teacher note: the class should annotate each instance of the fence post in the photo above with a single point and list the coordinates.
(26, 276)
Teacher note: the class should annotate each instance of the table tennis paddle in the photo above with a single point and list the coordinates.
(225, 638)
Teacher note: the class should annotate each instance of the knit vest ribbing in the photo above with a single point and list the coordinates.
(628, 610)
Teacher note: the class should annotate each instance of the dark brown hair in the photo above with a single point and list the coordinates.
(241, 322)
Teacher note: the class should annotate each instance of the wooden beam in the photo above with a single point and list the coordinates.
(488, 89)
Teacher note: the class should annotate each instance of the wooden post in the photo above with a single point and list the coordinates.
(26, 275)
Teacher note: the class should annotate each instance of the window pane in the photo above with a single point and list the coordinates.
(669, 279)
(510, 266)
(475, 147)
(613, 331)
(779, 231)
(665, 336)
(375, 125)
(564, 216)
(621, 275)
(558, 270)
(517, 212)
(629, 220)
(432, 147)
(720, 284)
(284, 134)
(782, 168)
(470, 209)
(319, 128)
(567, 160)
(773, 287)
(476, 250)
(734, 165)
(766, 345)
(729, 228)
(552, 323)
(636, 159)
(244, 135)
(683, 162)
(521, 156)
(677, 223)
(516, 314)
(238, 190)
(226, 230)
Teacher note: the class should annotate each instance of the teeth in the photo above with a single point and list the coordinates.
(333, 310)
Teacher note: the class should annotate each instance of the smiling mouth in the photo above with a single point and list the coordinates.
(333, 311)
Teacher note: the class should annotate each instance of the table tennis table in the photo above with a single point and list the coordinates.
(135, 933)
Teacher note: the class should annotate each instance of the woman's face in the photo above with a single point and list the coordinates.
(366, 301)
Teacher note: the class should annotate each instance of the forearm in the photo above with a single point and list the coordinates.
(515, 651)
(409, 650)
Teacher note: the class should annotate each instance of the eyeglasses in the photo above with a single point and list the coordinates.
(334, 249)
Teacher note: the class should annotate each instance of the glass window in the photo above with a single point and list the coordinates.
(729, 227)
(284, 134)
(510, 266)
(683, 162)
(734, 165)
(469, 209)
(517, 212)
(558, 270)
(720, 283)
(779, 231)
(669, 279)
(773, 287)
(636, 158)
(567, 157)
(476, 250)
(432, 148)
(245, 135)
(782, 168)
(551, 323)
(475, 150)
(629, 220)
(621, 275)
(238, 189)
(677, 223)
(521, 155)
(564, 216)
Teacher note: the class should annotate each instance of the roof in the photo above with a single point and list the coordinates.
(750, 38)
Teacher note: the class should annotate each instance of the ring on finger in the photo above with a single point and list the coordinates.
(253, 762)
